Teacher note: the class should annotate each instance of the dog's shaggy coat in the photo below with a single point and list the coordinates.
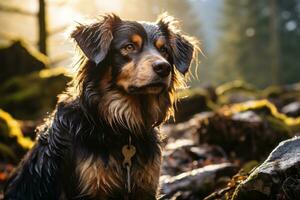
(124, 88)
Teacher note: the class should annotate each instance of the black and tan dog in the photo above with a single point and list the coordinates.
(101, 142)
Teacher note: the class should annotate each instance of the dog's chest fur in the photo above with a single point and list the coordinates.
(103, 181)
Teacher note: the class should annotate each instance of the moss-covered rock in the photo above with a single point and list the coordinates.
(32, 96)
(193, 101)
(19, 59)
(249, 130)
(12, 142)
(236, 92)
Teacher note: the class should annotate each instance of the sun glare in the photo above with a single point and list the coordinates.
(111, 6)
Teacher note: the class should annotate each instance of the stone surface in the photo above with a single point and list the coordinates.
(201, 180)
(247, 135)
(292, 109)
(277, 177)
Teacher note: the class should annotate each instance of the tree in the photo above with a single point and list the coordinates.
(256, 45)
(42, 27)
(148, 10)
(41, 16)
(289, 27)
(243, 51)
(274, 41)
(226, 55)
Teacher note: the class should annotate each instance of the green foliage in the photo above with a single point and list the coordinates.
(33, 95)
(259, 42)
(290, 40)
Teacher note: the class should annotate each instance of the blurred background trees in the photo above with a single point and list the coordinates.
(259, 41)
(252, 41)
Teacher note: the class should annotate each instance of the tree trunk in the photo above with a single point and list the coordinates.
(42, 27)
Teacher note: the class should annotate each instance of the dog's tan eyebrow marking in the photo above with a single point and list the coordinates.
(135, 38)
(160, 42)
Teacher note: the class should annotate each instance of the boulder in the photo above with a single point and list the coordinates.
(247, 135)
(193, 101)
(20, 59)
(278, 177)
(31, 96)
(183, 155)
(197, 183)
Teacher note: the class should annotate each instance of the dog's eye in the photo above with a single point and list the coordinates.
(163, 50)
(129, 47)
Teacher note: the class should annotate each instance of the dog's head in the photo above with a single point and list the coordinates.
(139, 58)
(142, 55)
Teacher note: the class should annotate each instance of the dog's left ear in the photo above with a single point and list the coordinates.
(94, 39)
(182, 46)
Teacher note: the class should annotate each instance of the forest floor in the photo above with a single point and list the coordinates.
(219, 138)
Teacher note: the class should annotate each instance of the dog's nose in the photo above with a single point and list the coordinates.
(162, 68)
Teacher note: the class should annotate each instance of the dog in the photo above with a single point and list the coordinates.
(103, 141)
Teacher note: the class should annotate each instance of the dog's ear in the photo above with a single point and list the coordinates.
(182, 46)
(94, 39)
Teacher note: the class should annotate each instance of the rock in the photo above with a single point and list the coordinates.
(278, 177)
(248, 116)
(31, 96)
(193, 101)
(292, 109)
(187, 129)
(245, 135)
(183, 155)
(199, 181)
(226, 192)
(19, 59)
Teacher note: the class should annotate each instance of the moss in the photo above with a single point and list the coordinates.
(279, 125)
(12, 129)
(235, 86)
(249, 166)
(32, 96)
(260, 104)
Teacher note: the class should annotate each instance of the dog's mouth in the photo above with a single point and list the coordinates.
(151, 88)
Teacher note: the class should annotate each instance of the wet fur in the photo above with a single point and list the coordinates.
(77, 154)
